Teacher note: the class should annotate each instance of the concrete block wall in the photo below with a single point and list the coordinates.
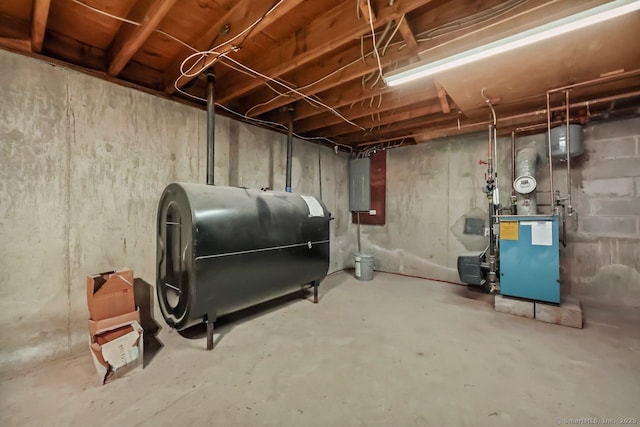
(432, 187)
(603, 254)
(82, 165)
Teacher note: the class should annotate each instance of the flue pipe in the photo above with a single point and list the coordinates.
(289, 150)
(211, 126)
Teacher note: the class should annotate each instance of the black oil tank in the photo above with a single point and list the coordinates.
(222, 249)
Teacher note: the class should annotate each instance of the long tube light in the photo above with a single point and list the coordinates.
(583, 19)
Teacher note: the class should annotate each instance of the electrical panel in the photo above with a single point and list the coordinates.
(359, 185)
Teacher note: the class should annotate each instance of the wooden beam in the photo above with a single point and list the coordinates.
(39, 23)
(327, 33)
(424, 109)
(354, 71)
(15, 44)
(14, 33)
(364, 10)
(389, 101)
(130, 37)
(407, 35)
(78, 53)
(404, 128)
(362, 145)
(340, 96)
(442, 95)
(431, 18)
(243, 14)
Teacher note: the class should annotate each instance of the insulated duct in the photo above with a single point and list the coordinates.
(525, 181)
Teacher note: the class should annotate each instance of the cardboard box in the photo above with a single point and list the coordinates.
(110, 294)
(100, 326)
(117, 349)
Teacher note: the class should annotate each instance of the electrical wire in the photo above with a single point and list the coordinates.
(479, 17)
(395, 31)
(267, 123)
(373, 35)
(201, 55)
(249, 71)
(128, 21)
(333, 110)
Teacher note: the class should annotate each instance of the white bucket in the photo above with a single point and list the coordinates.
(364, 266)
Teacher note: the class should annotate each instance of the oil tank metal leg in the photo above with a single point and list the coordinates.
(209, 335)
(315, 292)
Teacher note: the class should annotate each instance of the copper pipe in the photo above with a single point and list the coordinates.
(598, 80)
(517, 116)
(567, 103)
(553, 200)
(513, 161)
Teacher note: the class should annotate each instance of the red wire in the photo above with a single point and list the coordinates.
(406, 275)
(422, 277)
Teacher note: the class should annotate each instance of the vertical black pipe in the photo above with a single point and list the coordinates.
(211, 126)
(289, 150)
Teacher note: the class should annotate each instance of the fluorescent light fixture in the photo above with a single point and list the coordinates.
(561, 26)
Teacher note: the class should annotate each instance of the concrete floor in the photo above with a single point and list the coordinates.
(396, 351)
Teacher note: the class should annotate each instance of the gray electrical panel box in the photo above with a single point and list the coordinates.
(359, 185)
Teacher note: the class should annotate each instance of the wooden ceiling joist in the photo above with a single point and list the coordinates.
(14, 34)
(442, 95)
(407, 35)
(373, 121)
(231, 26)
(366, 10)
(358, 69)
(337, 97)
(323, 35)
(409, 126)
(131, 37)
(39, 23)
(324, 49)
(388, 101)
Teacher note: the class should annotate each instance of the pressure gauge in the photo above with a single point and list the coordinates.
(524, 184)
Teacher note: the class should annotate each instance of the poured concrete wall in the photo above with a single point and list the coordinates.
(82, 165)
(433, 187)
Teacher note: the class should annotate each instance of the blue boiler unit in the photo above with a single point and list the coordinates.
(529, 257)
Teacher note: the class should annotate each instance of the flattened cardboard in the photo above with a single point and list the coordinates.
(120, 356)
(110, 294)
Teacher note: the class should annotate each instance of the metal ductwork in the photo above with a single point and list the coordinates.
(525, 182)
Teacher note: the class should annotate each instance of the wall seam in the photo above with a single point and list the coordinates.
(70, 134)
(448, 200)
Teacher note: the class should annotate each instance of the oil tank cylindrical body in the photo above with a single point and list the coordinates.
(222, 249)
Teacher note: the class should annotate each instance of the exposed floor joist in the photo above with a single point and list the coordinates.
(130, 37)
(326, 33)
(39, 23)
(321, 55)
